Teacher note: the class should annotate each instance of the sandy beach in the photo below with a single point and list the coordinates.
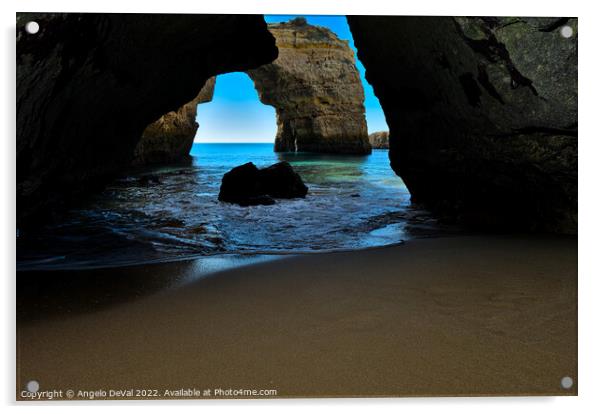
(472, 315)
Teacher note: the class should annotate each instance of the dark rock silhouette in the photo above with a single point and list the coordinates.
(482, 114)
(170, 138)
(89, 84)
(248, 185)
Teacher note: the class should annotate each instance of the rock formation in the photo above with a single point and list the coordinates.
(170, 138)
(89, 84)
(316, 90)
(247, 185)
(379, 140)
(482, 114)
(482, 111)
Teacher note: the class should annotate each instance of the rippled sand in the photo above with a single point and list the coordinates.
(447, 316)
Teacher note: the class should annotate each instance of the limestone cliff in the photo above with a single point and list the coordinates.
(379, 140)
(170, 138)
(482, 114)
(316, 90)
(89, 84)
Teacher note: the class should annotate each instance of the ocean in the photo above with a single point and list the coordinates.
(353, 202)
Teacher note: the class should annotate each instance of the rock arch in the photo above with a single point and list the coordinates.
(482, 111)
(314, 86)
(85, 96)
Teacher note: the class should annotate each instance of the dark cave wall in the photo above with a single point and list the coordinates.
(89, 84)
(170, 138)
(482, 114)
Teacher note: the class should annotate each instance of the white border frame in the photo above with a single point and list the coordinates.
(590, 150)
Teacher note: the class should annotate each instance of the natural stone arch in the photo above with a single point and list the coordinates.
(84, 95)
(316, 90)
(482, 111)
(314, 86)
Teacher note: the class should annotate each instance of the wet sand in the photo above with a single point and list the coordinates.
(479, 315)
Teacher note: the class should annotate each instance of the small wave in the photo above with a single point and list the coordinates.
(353, 203)
(47, 265)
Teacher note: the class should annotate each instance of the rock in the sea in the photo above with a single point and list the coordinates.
(379, 140)
(316, 90)
(482, 114)
(89, 84)
(170, 138)
(248, 185)
(281, 181)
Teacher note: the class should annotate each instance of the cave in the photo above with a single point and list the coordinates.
(482, 114)
(480, 131)
(358, 271)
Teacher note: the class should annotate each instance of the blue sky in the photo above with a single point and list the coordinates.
(236, 115)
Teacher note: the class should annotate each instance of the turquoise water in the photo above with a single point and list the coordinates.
(353, 202)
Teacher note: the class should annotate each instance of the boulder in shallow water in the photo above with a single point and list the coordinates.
(248, 185)
(281, 181)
